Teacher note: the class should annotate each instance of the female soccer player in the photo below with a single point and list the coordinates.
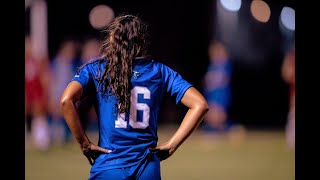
(127, 89)
(288, 75)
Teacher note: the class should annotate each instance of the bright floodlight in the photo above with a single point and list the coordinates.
(287, 18)
(100, 16)
(260, 10)
(231, 5)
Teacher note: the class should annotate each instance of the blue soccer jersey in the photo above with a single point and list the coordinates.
(130, 135)
(218, 84)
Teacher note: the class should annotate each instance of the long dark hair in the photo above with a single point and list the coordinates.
(126, 39)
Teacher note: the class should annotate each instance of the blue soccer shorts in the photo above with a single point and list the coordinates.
(148, 169)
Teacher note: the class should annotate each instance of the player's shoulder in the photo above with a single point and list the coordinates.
(161, 66)
(93, 63)
(156, 64)
(145, 63)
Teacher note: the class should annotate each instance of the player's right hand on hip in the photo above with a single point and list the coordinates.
(92, 152)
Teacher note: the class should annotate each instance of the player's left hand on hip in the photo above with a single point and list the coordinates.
(163, 151)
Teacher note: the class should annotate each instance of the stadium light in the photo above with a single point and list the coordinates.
(287, 18)
(231, 5)
(100, 16)
(260, 10)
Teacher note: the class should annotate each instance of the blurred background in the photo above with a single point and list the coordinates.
(239, 53)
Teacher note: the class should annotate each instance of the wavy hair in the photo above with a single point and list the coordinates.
(126, 39)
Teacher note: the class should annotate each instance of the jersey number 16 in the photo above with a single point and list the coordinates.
(134, 107)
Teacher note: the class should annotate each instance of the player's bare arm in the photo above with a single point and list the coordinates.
(198, 107)
(70, 96)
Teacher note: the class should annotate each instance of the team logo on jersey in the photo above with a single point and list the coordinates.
(76, 76)
(135, 74)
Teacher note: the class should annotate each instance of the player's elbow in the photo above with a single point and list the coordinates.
(202, 106)
(64, 101)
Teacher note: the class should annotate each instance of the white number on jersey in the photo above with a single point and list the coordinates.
(134, 107)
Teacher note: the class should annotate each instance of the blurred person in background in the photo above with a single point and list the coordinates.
(288, 75)
(62, 68)
(217, 90)
(128, 89)
(36, 84)
(89, 50)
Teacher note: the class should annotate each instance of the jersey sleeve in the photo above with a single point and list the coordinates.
(83, 76)
(175, 85)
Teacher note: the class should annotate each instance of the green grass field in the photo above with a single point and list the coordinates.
(253, 155)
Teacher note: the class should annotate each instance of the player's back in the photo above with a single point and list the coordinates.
(130, 135)
(139, 126)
